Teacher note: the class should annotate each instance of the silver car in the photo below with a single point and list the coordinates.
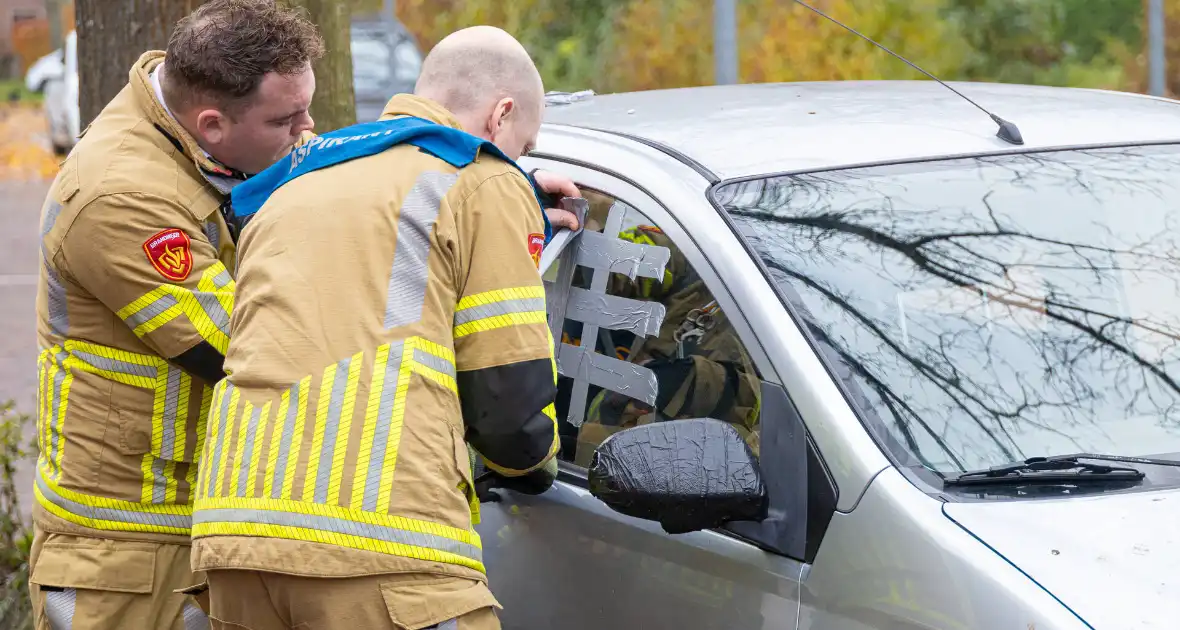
(834, 355)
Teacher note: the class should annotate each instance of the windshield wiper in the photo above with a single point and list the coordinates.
(1057, 469)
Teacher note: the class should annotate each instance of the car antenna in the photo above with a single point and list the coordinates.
(1008, 131)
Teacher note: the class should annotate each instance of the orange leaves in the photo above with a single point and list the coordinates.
(24, 148)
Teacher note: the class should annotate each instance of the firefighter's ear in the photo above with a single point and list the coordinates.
(211, 125)
(501, 115)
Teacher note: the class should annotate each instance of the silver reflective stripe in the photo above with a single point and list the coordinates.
(248, 452)
(115, 365)
(381, 431)
(504, 307)
(331, 429)
(293, 405)
(145, 314)
(450, 624)
(213, 233)
(615, 313)
(194, 617)
(178, 521)
(171, 405)
(55, 416)
(213, 308)
(433, 362)
(608, 253)
(59, 608)
(59, 321)
(159, 481)
(332, 525)
(222, 439)
(407, 278)
(625, 378)
(222, 279)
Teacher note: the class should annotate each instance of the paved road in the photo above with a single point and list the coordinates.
(20, 204)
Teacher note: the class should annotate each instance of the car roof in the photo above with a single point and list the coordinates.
(750, 129)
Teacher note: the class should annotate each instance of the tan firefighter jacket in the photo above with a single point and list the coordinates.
(389, 310)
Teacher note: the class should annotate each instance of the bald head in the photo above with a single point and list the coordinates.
(486, 79)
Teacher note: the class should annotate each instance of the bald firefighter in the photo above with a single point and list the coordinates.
(133, 307)
(389, 312)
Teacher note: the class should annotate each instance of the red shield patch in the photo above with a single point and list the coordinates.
(171, 254)
(536, 246)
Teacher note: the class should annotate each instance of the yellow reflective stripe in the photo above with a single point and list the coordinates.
(110, 514)
(222, 291)
(500, 295)
(170, 482)
(438, 365)
(499, 309)
(208, 309)
(334, 525)
(236, 464)
(220, 465)
(344, 430)
(323, 401)
(149, 480)
(128, 368)
(276, 433)
(297, 437)
(199, 447)
(364, 453)
(256, 456)
(500, 321)
(206, 462)
(389, 463)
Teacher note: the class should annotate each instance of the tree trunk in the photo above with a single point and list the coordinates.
(333, 105)
(112, 34)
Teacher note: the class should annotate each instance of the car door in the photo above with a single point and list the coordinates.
(564, 559)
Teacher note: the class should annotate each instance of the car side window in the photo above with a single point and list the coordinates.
(642, 338)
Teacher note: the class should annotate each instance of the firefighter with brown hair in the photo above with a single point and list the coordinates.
(134, 301)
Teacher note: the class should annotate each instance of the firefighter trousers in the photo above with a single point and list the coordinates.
(257, 600)
(83, 583)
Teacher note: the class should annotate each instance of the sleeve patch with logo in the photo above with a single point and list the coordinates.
(170, 252)
(536, 246)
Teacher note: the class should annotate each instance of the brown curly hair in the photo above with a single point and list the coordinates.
(221, 51)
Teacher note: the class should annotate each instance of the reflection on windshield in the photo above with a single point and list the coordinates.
(989, 309)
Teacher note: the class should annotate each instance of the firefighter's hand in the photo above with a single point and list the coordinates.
(536, 482)
(558, 186)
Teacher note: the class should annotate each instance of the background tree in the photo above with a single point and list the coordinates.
(334, 104)
(112, 34)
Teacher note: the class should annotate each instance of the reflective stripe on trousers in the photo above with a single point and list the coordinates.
(61, 605)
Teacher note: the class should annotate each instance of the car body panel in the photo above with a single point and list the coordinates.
(743, 130)
(565, 560)
(896, 563)
(1091, 551)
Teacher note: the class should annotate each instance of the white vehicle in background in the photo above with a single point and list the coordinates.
(56, 77)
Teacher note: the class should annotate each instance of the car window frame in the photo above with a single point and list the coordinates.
(805, 541)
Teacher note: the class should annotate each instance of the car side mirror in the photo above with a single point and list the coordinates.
(688, 475)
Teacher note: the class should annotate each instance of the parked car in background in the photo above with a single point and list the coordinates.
(56, 77)
(385, 61)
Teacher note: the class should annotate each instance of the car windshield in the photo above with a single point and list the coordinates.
(987, 309)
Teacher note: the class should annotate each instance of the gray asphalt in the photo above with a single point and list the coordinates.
(20, 204)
